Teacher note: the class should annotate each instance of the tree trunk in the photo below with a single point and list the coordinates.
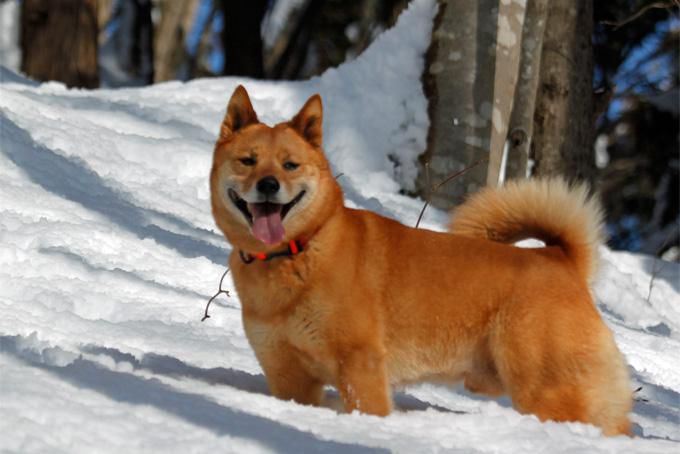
(134, 40)
(522, 119)
(511, 16)
(459, 82)
(104, 10)
(563, 120)
(169, 50)
(59, 41)
(288, 55)
(241, 37)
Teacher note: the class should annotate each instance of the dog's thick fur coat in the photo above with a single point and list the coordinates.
(371, 303)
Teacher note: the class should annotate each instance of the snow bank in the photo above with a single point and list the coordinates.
(10, 54)
(108, 254)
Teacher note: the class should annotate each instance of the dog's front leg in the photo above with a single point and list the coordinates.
(287, 379)
(363, 383)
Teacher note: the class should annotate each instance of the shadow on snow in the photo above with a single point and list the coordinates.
(73, 180)
(194, 408)
(173, 367)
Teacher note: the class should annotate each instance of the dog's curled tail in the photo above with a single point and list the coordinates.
(548, 209)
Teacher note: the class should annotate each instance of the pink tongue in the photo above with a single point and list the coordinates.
(267, 222)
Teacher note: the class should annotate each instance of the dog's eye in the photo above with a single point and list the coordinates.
(248, 161)
(289, 165)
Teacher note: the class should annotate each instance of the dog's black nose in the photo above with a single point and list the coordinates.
(268, 185)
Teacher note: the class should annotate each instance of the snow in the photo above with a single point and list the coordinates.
(10, 54)
(108, 254)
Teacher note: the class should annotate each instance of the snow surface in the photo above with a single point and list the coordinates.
(10, 54)
(108, 254)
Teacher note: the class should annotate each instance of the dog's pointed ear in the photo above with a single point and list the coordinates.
(240, 113)
(309, 121)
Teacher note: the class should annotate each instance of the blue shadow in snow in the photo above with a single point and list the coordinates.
(658, 403)
(255, 383)
(70, 256)
(146, 113)
(173, 367)
(193, 408)
(73, 180)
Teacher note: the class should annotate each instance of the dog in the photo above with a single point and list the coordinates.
(344, 297)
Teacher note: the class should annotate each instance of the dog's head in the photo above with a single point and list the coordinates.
(270, 184)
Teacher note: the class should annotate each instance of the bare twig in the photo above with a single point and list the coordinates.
(640, 12)
(639, 399)
(443, 182)
(428, 179)
(219, 292)
(655, 270)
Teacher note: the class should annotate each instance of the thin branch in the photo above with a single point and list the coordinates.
(639, 399)
(655, 270)
(428, 179)
(443, 182)
(640, 12)
(219, 292)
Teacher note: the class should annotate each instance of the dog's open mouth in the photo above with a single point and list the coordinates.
(265, 218)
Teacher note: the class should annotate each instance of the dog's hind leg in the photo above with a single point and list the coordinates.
(572, 402)
(565, 369)
(552, 403)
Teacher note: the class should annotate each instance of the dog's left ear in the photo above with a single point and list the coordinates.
(240, 113)
(309, 121)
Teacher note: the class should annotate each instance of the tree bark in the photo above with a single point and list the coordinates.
(459, 82)
(511, 17)
(104, 10)
(133, 42)
(275, 59)
(169, 50)
(241, 37)
(288, 55)
(522, 119)
(563, 120)
(59, 41)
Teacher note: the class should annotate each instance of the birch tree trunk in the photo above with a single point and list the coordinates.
(459, 82)
(563, 120)
(511, 17)
(522, 119)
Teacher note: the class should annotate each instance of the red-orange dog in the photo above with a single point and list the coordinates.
(345, 297)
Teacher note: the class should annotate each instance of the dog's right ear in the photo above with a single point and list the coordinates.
(240, 113)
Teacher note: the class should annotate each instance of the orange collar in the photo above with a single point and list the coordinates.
(294, 248)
